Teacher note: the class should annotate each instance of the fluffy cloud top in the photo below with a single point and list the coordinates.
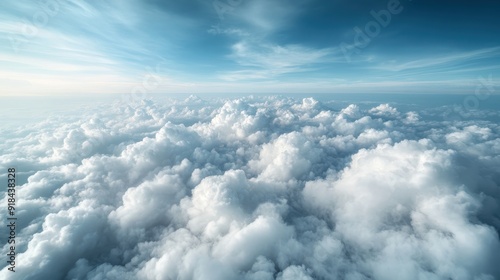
(256, 188)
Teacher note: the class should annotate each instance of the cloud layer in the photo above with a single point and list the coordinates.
(256, 188)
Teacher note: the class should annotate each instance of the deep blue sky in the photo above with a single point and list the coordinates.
(253, 46)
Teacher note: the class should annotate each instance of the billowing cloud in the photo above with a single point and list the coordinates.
(256, 188)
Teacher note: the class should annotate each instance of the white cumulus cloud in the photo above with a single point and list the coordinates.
(255, 188)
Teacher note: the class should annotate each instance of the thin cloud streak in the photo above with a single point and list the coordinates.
(430, 62)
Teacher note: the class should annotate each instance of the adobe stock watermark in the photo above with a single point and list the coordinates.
(31, 27)
(150, 82)
(363, 37)
(484, 89)
(226, 6)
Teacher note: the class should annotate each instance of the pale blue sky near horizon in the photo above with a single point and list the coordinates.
(241, 47)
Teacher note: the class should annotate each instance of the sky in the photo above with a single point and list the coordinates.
(77, 47)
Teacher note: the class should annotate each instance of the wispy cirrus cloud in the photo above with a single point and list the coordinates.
(443, 60)
(273, 42)
(267, 16)
(97, 46)
(267, 61)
